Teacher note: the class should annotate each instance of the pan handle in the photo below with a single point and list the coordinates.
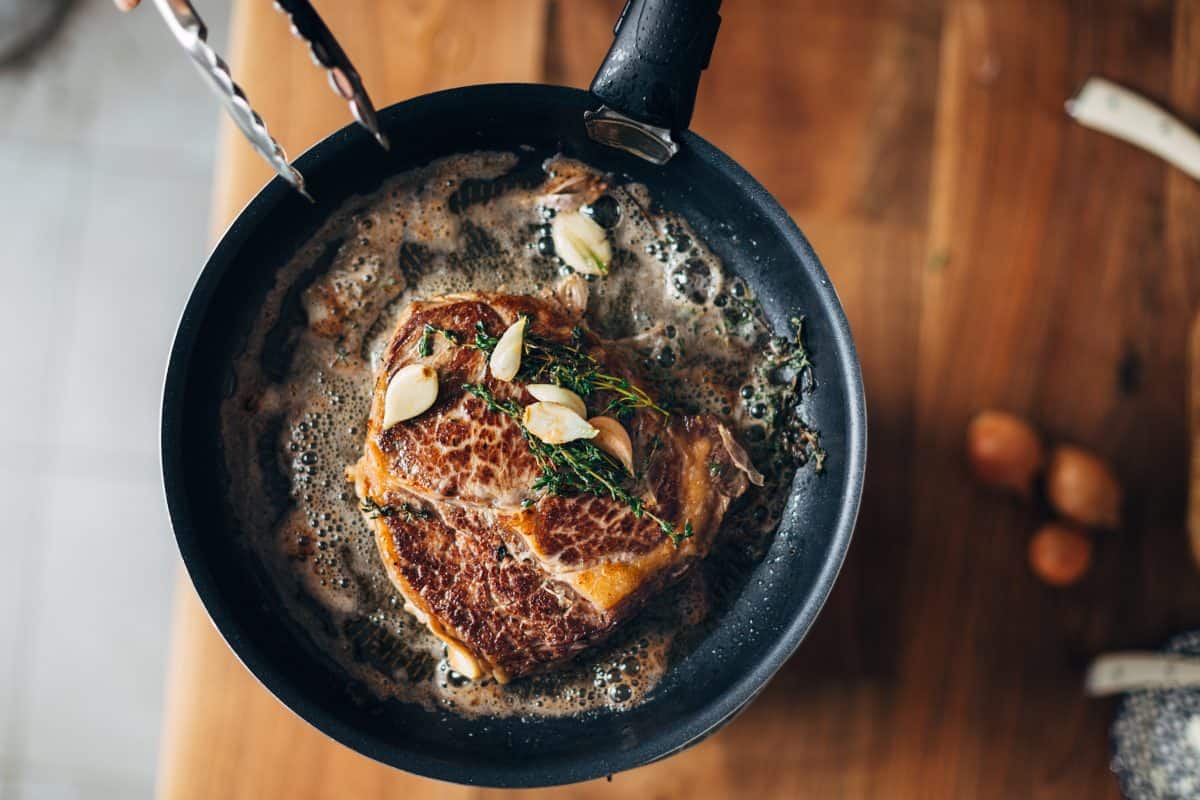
(648, 80)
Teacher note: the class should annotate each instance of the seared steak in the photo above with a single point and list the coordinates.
(511, 578)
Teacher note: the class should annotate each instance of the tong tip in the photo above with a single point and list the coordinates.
(296, 181)
(364, 114)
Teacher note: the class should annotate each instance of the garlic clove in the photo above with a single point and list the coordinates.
(614, 440)
(411, 391)
(1059, 554)
(461, 661)
(554, 423)
(1081, 487)
(1004, 451)
(549, 393)
(506, 358)
(581, 243)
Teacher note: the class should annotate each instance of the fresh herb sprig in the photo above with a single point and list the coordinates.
(799, 361)
(425, 343)
(410, 512)
(483, 340)
(568, 365)
(790, 359)
(578, 467)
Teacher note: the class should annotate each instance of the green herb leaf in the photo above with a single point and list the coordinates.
(483, 341)
(571, 367)
(425, 344)
(410, 512)
(576, 467)
(373, 510)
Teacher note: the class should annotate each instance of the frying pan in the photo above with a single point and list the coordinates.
(647, 85)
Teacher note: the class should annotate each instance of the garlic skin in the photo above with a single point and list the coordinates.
(614, 440)
(573, 293)
(410, 392)
(549, 393)
(506, 358)
(554, 423)
(581, 243)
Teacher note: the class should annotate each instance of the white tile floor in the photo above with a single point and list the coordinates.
(106, 146)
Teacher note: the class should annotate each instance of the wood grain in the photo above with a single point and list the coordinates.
(989, 253)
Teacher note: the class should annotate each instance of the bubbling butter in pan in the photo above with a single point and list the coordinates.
(482, 221)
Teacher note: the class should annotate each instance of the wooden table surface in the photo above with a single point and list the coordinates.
(989, 252)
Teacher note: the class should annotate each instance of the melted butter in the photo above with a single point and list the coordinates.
(297, 415)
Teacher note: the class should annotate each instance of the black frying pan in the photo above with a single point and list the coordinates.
(651, 75)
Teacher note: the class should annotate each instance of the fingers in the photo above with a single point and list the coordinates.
(126, 5)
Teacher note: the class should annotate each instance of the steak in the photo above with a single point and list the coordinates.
(512, 578)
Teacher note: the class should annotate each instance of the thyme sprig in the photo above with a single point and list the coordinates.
(483, 340)
(790, 365)
(425, 343)
(410, 512)
(571, 367)
(799, 360)
(578, 467)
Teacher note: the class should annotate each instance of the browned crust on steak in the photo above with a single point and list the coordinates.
(514, 618)
(683, 483)
(457, 449)
(576, 566)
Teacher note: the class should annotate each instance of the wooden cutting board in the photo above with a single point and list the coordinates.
(1193, 521)
(989, 253)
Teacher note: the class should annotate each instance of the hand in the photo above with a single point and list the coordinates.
(126, 5)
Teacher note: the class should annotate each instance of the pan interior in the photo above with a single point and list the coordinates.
(776, 605)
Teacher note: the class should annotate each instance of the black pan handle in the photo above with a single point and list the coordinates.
(649, 78)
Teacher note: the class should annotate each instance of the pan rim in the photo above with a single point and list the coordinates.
(516, 773)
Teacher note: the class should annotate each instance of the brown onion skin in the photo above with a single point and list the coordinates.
(1082, 488)
(1004, 451)
(1059, 554)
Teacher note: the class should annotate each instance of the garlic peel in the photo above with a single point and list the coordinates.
(614, 440)
(549, 393)
(554, 423)
(506, 357)
(410, 392)
(581, 243)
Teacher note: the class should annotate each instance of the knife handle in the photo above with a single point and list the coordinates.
(1122, 672)
(1104, 106)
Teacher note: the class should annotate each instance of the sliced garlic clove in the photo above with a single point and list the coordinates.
(506, 358)
(581, 243)
(461, 661)
(554, 423)
(549, 393)
(614, 440)
(411, 391)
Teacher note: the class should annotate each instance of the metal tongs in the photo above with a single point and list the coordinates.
(192, 35)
